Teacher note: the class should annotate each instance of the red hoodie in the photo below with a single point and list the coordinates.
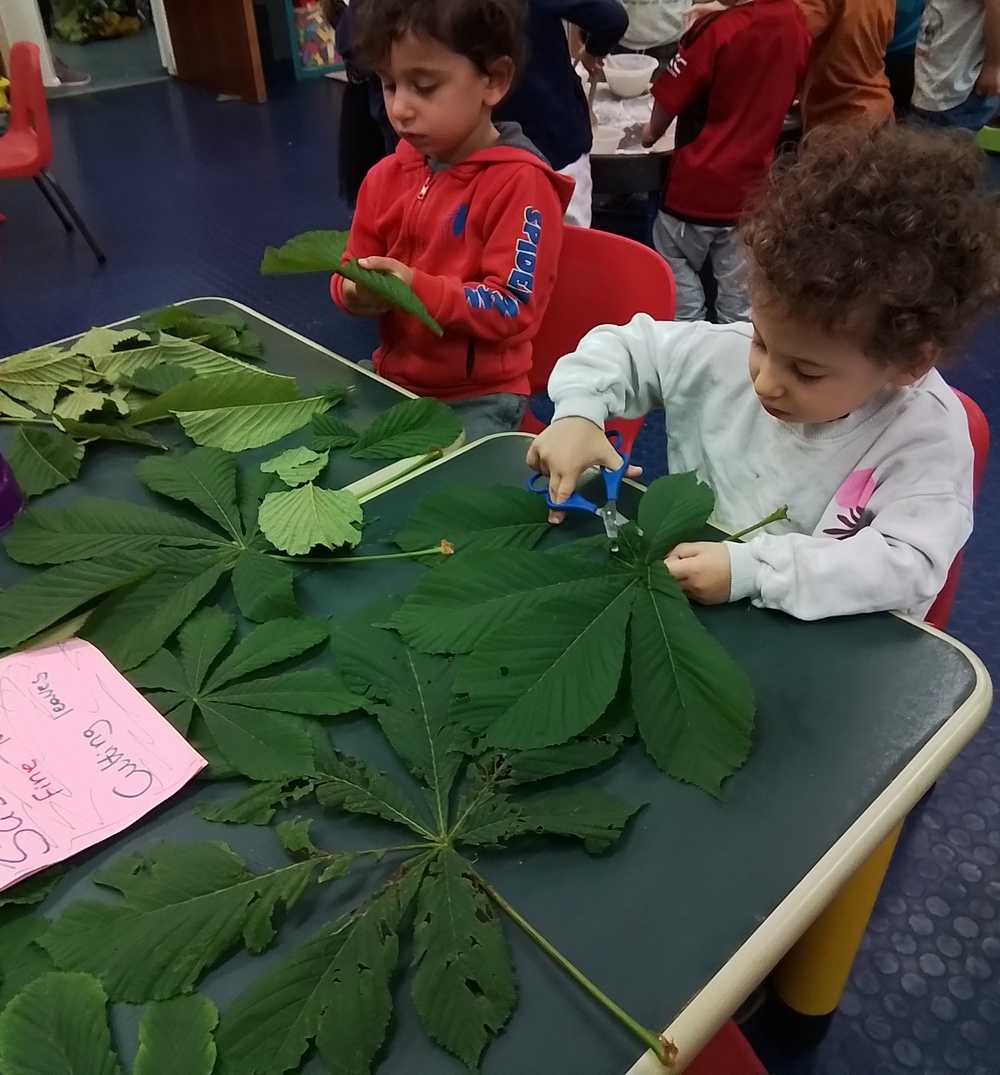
(483, 239)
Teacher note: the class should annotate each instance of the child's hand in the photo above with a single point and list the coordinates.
(699, 11)
(593, 65)
(703, 570)
(361, 302)
(389, 265)
(565, 450)
(649, 136)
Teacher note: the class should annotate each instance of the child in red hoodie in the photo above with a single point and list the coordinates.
(466, 211)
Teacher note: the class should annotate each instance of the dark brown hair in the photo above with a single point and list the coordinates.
(483, 31)
(890, 227)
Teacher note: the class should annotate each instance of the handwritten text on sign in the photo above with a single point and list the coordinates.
(82, 756)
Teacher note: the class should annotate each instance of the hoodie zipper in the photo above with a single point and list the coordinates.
(426, 187)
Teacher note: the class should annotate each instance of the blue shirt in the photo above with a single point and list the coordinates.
(908, 15)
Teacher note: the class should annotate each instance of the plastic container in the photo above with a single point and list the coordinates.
(629, 75)
(607, 140)
(11, 498)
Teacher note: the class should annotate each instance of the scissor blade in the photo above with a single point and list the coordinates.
(613, 521)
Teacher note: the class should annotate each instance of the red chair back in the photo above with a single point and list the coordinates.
(979, 433)
(26, 148)
(603, 279)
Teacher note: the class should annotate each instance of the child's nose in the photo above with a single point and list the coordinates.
(767, 383)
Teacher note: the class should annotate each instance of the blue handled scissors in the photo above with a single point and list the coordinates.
(613, 520)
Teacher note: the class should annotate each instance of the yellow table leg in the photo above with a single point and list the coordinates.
(811, 978)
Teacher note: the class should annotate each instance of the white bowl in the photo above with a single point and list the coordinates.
(607, 140)
(629, 75)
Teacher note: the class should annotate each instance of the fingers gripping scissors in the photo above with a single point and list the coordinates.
(608, 513)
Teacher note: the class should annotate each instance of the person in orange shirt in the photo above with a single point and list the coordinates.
(846, 79)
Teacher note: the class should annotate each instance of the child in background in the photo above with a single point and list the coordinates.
(871, 254)
(730, 86)
(901, 54)
(655, 27)
(465, 211)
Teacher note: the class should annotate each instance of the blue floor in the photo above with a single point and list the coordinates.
(184, 193)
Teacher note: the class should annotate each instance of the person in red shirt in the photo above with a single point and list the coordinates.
(730, 86)
(466, 212)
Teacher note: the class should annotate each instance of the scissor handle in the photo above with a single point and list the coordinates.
(538, 483)
(613, 478)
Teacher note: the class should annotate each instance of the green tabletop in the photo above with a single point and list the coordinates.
(844, 706)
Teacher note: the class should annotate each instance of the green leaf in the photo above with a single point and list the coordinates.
(413, 427)
(293, 835)
(35, 377)
(240, 388)
(97, 527)
(548, 676)
(472, 517)
(236, 429)
(202, 361)
(80, 401)
(264, 587)
(226, 332)
(297, 465)
(323, 251)
(693, 703)
(485, 816)
(266, 645)
(51, 596)
(58, 1025)
(331, 432)
(120, 432)
(175, 1036)
(43, 459)
(9, 408)
(463, 986)
(184, 907)
(202, 640)
(158, 379)
(262, 745)
(33, 890)
(102, 341)
(205, 477)
(130, 627)
(21, 959)
(334, 990)
(454, 606)
(595, 816)
(672, 510)
(258, 805)
(410, 695)
(253, 487)
(300, 519)
(355, 787)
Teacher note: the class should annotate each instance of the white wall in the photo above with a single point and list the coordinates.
(20, 20)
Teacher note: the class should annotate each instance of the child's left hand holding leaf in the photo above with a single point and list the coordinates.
(702, 570)
(389, 265)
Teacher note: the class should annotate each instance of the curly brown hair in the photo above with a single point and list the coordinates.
(483, 31)
(888, 226)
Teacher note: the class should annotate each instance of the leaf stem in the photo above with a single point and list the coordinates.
(663, 1050)
(442, 549)
(28, 421)
(434, 453)
(774, 517)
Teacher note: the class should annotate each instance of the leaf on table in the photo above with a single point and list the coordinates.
(673, 511)
(264, 587)
(21, 959)
(413, 427)
(80, 401)
(183, 907)
(593, 815)
(29, 607)
(353, 786)
(485, 815)
(35, 377)
(119, 431)
(176, 1038)
(330, 432)
(103, 341)
(58, 1025)
(158, 379)
(235, 429)
(221, 391)
(693, 703)
(204, 477)
(43, 459)
(295, 839)
(324, 251)
(33, 890)
(473, 517)
(334, 991)
(255, 723)
(259, 805)
(463, 985)
(297, 466)
(203, 361)
(10, 408)
(410, 695)
(97, 527)
(334, 391)
(298, 520)
(227, 333)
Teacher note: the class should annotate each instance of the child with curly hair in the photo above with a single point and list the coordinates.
(870, 255)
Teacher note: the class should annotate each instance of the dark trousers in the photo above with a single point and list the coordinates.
(362, 142)
(899, 71)
(45, 7)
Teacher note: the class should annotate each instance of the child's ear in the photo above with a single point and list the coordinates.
(499, 79)
(930, 355)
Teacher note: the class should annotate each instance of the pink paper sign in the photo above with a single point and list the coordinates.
(82, 756)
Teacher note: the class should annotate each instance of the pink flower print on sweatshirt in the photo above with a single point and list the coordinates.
(853, 496)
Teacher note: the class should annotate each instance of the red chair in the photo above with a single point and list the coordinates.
(979, 432)
(26, 148)
(728, 1053)
(603, 279)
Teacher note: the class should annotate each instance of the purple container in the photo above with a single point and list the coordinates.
(11, 498)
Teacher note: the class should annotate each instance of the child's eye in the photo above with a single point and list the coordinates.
(425, 91)
(388, 87)
(809, 378)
